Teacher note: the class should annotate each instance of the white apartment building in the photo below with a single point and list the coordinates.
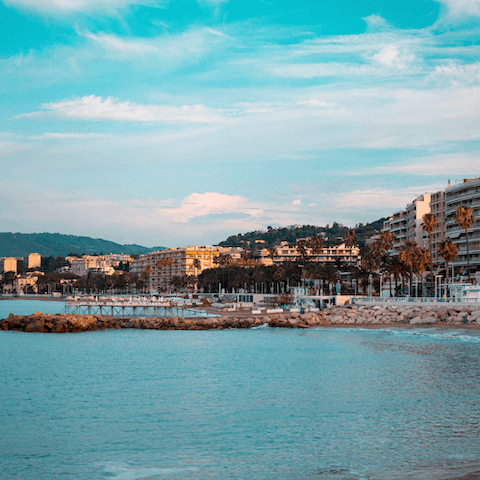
(407, 224)
(284, 252)
(102, 264)
(465, 194)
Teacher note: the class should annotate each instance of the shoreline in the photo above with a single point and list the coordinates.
(348, 316)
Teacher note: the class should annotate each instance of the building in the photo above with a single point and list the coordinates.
(332, 254)
(407, 225)
(397, 226)
(8, 264)
(26, 284)
(414, 219)
(437, 208)
(96, 264)
(162, 265)
(465, 194)
(32, 260)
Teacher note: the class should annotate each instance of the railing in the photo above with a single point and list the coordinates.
(422, 300)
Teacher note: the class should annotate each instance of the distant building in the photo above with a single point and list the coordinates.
(96, 264)
(32, 260)
(8, 264)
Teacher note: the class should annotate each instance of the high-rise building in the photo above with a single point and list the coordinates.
(32, 260)
(8, 264)
(466, 194)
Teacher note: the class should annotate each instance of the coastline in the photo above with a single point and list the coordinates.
(348, 316)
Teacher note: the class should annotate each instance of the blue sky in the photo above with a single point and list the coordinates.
(184, 121)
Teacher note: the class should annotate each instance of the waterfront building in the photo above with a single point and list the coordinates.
(27, 284)
(408, 224)
(437, 208)
(466, 194)
(330, 254)
(162, 265)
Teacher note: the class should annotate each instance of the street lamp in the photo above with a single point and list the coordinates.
(381, 285)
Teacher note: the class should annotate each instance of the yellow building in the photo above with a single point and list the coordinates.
(162, 265)
(8, 264)
(32, 260)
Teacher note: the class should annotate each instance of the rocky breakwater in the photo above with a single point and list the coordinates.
(348, 315)
(400, 315)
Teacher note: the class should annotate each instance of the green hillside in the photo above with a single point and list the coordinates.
(273, 236)
(58, 245)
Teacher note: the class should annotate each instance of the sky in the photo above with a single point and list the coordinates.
(177, 122)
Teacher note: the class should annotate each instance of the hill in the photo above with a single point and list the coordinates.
(273, 236)
(58, 245)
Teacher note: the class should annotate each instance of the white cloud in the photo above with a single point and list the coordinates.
(460, 8)
(201, 204)
(457, 73)
(95, 108)
(67, 6)
(190, 45)
(297, 201)
(68, 136)
(454, 164)
(314, 103)
(126, 48)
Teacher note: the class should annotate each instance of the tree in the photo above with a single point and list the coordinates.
(316, 245)
(272, 253)
(465, 219)
(302, 248)
(449, 251)
(430, 223)
(408, 255)
(350, 238)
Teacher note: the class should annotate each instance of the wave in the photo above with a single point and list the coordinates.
(458, 335)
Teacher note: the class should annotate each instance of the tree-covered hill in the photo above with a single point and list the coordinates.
(273, 236)
(58, 245)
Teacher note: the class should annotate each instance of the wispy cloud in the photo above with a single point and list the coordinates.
(68, 136)
(67, 6)
(461, 8)
(95, 108)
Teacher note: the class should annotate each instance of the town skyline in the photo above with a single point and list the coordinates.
(183, 122)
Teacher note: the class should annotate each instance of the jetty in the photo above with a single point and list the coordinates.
(132, 307)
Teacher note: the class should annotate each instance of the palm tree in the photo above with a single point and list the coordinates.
(316, 245)
(302, 245)
(350, 239)
(465, 219)
(449, 251)
(408, 256)
(430, 223)
(148, 272)
(422, 262)
(272, 253)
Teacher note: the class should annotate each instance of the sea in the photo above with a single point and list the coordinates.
(260, 404)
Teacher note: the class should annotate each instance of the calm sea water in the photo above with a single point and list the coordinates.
(240, 404)
(27, 307)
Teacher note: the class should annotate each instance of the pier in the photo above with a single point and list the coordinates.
(131, 307)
